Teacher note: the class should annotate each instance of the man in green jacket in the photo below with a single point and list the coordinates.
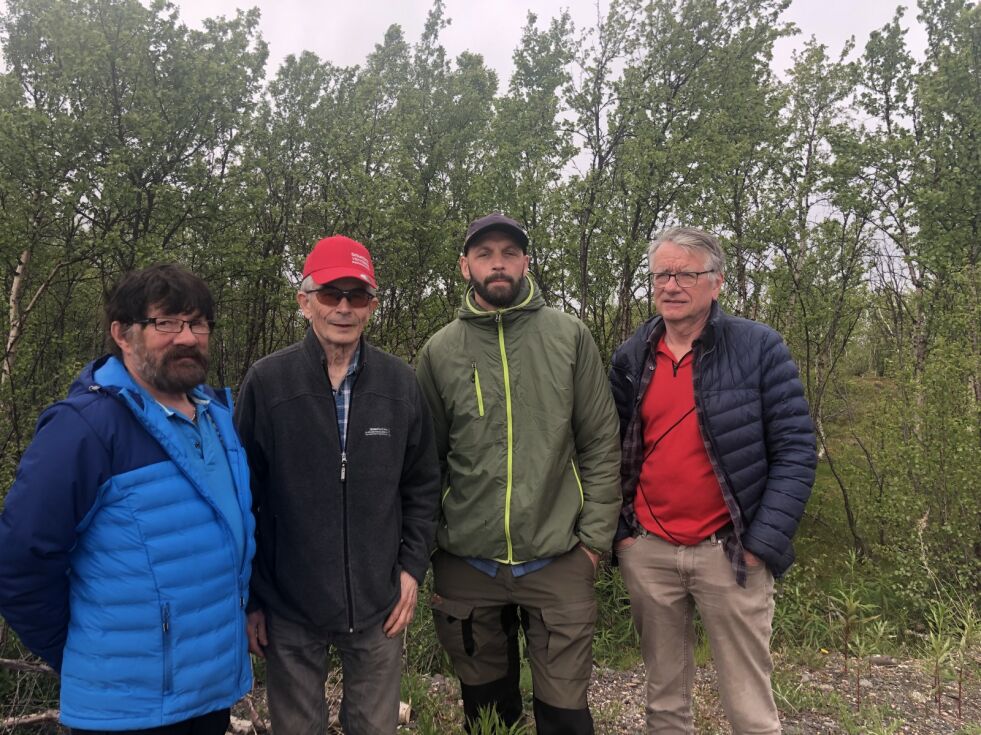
(528, 441)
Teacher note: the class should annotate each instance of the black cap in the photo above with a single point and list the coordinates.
(496, 221)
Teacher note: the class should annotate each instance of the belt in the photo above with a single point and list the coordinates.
(719, 536)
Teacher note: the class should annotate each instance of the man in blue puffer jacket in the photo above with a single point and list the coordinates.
(126, 539)
(718, 462)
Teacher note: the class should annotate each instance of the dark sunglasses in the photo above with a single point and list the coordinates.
(331, 296)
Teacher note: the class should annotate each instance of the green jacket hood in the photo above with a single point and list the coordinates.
(529, 299)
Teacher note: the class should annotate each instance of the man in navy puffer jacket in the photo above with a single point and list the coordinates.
(718, 462)
(126, 539)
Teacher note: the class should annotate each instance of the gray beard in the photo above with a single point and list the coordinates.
(165, 377)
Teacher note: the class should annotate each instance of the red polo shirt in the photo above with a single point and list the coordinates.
(678, 496)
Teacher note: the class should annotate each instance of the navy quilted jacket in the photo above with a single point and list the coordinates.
(754, 419)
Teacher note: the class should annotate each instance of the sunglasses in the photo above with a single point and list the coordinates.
(331, 296)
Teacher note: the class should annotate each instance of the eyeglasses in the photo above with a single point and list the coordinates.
(171, 325)
(685, 279)
(331, 296)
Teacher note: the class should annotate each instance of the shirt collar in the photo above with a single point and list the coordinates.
(352, 368)
(200, 404)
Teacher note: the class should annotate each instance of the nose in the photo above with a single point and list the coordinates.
(186, 336)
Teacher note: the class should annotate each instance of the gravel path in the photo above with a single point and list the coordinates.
(897, 697)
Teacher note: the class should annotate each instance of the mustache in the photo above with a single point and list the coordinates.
(180, 352)
(499, 277)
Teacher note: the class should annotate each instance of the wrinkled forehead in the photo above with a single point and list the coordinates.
(349, 283)
(163, 311)
(495, 239)
(678, 256)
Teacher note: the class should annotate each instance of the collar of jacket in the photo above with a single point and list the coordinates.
(654, 329)
(710, 332)
(114, 379)
(529, 299)
(315, 351)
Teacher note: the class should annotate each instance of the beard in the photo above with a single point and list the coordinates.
(498, 297)
(176, 370)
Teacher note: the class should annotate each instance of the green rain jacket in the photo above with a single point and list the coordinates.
(526, 431)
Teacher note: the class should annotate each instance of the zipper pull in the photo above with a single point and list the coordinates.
(166, 618)
(473, 378)
(343, 466)
(498, 317)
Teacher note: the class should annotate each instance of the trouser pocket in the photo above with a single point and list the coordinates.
(454, 626)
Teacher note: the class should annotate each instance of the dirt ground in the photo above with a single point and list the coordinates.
(897, 698)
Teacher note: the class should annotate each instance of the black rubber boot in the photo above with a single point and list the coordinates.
(504, 694)
(551, 720)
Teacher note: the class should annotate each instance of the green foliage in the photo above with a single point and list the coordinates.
(845, 192)
(615, 643)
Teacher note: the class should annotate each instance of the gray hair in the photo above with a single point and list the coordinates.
(308, 284)
(693, 240)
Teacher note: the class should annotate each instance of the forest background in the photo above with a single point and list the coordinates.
(847, 193)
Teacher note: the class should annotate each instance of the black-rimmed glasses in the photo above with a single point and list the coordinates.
(685, 279)
(172, 325)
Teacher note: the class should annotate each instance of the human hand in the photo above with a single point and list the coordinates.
(404, 610)
(624, 544)
(255, 626)
(593, 556)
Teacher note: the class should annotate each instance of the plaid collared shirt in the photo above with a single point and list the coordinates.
(342, 397)
(632, 460)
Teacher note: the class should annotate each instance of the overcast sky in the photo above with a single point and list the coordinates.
(345, 32)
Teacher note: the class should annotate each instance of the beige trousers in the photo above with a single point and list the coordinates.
(666, 583)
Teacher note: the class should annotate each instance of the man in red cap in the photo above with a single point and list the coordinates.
(346, 493)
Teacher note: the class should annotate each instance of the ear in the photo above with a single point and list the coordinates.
(303, 301)
(465, 267)
(718, 285)
(118, 331)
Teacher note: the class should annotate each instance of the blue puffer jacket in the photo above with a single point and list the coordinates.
(117, 566)
(754, 419)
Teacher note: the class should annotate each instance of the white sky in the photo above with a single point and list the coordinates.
(345, 32)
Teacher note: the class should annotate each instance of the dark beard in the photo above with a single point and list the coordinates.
(499, 298)
(167, 376)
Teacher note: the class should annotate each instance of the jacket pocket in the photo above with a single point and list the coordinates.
(168, 662)
(476, 386)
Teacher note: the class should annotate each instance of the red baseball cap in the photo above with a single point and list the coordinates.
(339, 257)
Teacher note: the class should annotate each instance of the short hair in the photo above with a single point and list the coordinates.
(693, 240)
(170, 287)
(308, 284)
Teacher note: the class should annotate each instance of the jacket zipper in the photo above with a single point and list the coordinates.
(575, 473)
(168, 682)
(713, 451)
(510, 458)
(347, 550)
(476, 383)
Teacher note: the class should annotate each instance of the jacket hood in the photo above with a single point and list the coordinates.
(529, 299)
